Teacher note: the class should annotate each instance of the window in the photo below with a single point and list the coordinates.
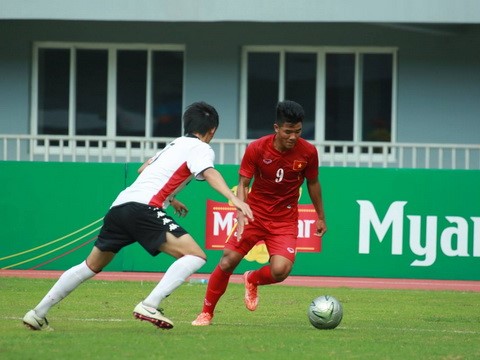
(347, 94)
(339, 96)
(262, 95)
(111, 90)
(131, 92)
(300, 84)
(53, 86)
(91, 93)
(377, 97)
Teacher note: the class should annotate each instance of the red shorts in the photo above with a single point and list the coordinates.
(279, 237)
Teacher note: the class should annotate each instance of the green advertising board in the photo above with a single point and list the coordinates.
(388, 223)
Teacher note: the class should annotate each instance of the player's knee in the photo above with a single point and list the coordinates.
(182, 247)
(197, 253)
(192, 248)
(228, 263)
(280, 273)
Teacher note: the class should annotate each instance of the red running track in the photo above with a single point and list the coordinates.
(309, 281)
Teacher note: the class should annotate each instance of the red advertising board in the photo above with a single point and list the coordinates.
(221, 225)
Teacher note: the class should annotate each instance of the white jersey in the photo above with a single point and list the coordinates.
(168, 172)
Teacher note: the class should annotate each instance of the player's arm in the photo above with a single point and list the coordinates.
(144, 165)
(180, 208)
(315, 192)
(216, 181)
(149, 161)
(242, 188)
(242, 193)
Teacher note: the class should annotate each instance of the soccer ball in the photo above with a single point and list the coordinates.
(325, 312)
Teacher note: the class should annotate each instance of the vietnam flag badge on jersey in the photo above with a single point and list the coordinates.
(299, 165)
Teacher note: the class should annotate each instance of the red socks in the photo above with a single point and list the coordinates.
(262, 276)
(217, 284)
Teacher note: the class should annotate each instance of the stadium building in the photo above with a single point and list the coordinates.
(383, 83)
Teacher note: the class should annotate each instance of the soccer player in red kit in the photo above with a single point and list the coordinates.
(278, 164)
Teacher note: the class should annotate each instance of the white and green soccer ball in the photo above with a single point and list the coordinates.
(325, 312)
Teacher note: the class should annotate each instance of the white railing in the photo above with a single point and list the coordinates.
(229, 151)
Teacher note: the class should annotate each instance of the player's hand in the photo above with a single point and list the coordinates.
(321, 227)
(180, 209)
(244, 208)
(240, 225)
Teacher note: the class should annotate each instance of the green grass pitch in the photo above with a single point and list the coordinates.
(96, 322)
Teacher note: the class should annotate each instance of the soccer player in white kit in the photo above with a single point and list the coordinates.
(138, 215)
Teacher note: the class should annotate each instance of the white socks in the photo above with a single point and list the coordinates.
(68, 282)
(175, 276)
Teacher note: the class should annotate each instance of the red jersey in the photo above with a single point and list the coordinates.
(278, 177)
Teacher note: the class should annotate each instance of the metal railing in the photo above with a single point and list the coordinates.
(229, 151)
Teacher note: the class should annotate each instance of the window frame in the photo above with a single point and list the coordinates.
(321, 52)
(112, 49)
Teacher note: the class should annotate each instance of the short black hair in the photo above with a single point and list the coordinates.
(289, 111)
(200, 118)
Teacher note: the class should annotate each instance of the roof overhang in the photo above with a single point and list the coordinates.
(357, 11)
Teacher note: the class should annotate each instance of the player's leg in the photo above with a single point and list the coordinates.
(281, 245)
(233, 253)
(68, 281)
(275, 272)
(157, 232)
(190, 257)
(110, 240)
(217, 285)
